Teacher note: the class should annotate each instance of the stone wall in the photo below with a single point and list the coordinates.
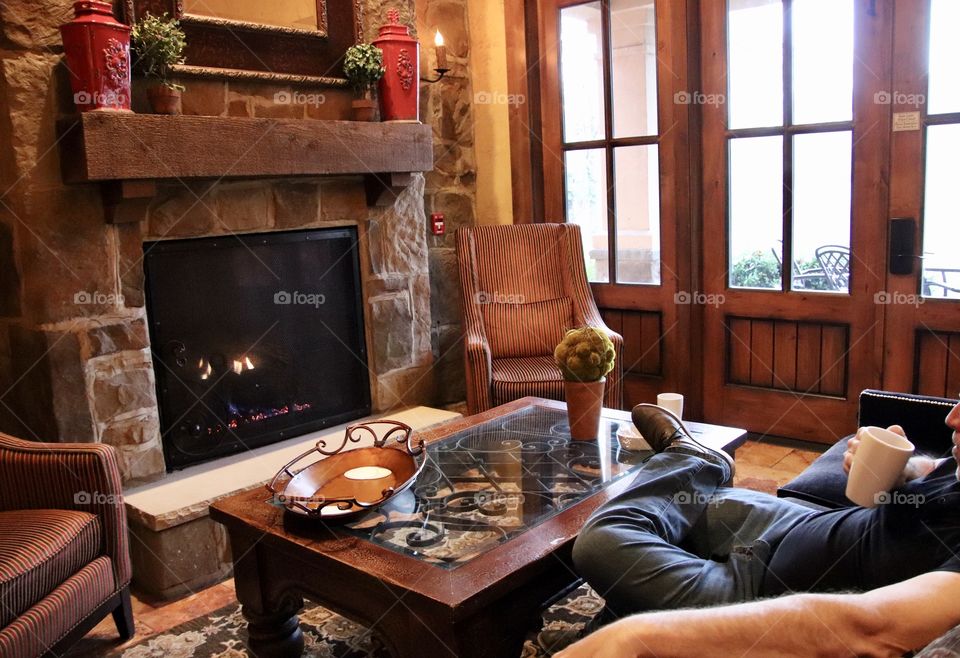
(75, 360)
(451, 187)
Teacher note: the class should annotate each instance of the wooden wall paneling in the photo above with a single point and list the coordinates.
(653, 343)
(808, 358)
(761, 352)
(785, 355)
(932, 364)
(911, 19)
(738, 350)
(523, 81)
(642, 343)
(552, 121)
(953, 367)
(833, 360)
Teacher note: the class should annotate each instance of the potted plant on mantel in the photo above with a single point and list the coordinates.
(157, 44)
(363, 66)
(584, 356)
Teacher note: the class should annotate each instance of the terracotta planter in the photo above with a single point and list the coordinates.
(584, 404)
(364, 109)
(165, 100)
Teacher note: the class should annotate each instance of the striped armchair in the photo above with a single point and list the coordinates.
(522, 287)
(64, 562)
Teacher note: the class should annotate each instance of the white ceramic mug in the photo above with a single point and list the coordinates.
(877, 465)
(671, 402)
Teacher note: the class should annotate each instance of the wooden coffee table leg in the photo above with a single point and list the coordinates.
(274, 636)
(268, 604)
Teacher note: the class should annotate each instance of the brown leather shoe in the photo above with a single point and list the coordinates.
(667, 433)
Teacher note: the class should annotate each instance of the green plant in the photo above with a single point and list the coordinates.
(585, 355)
(758, 270)
(363, 66)
(157, 43)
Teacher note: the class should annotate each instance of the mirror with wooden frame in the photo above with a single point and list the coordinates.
(289, 41)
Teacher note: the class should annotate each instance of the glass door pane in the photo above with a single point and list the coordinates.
(581, 72)
(755, 70)
(586, 191)
(822, 60)
(633, 43)
(941, 219)
(944, 55)
(822, 179)
(756, 212)
(637, 178)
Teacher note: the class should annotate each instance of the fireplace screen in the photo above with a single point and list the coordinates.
(256, 339)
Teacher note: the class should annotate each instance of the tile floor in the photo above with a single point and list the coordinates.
(762, 465)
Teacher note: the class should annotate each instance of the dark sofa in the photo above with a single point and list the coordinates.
(922, 418)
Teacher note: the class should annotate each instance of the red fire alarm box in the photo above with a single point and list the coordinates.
(438, 223)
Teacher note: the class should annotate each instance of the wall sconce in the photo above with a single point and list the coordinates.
(441, 50)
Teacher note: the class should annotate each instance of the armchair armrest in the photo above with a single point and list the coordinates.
(921, 417)
(72, 476)
(479, 368)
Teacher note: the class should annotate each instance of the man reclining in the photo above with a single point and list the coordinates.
(852, 581)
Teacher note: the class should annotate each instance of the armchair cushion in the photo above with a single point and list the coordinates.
(39, 550)
(516, 378)
(43, 625)
(519, 330)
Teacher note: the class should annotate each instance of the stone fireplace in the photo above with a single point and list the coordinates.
(75, 361)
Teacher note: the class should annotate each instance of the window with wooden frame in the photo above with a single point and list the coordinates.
(610, 136)
(941, 122)
(790, 143)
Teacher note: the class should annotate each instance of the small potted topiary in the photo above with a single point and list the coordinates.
(584, 357)
(363, 66)
(157, 43)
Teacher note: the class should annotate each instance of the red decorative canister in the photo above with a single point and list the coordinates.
(98, 56)
(400, 85)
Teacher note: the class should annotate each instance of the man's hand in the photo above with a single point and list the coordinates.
(616, 640)
(916, 468)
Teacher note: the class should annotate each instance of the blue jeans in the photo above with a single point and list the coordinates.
(676, 539)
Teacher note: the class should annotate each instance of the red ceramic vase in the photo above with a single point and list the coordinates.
(98, 56)
(400, 85)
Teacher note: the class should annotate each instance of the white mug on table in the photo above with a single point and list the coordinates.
(671, 402)
(877, 465)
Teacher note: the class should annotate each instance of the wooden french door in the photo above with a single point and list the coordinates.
(922, 344)
(795, 211)
(792, 360)
(790, 134)
(618, 159)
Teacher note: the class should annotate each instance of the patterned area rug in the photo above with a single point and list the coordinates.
(328, 635)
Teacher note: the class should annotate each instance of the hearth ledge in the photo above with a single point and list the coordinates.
(184, 496)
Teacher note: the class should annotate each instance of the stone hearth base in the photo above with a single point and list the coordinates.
(175, 547)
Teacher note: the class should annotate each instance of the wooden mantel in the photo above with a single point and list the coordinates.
(128, 153)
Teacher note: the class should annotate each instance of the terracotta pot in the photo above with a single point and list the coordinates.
(364, 109)
(165, 100)
(584, 404)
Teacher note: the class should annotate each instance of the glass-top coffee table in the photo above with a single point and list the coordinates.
(461, 563)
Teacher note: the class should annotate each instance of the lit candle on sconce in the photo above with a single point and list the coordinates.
(441, 51)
